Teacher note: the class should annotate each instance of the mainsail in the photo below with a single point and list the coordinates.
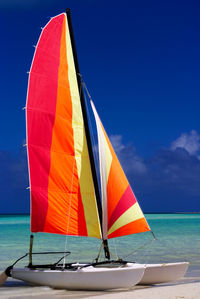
(122, 214)
(62, 191)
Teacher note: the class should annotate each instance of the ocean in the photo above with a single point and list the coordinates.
(177, 239)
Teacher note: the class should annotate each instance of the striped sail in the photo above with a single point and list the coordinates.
(62, 191)
(122, 214)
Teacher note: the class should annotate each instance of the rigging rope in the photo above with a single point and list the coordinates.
(69, 213)
(141, 247)
(115, 248)
(111, 253)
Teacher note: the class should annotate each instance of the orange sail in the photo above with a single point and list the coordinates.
(122, 214)
(62, 190)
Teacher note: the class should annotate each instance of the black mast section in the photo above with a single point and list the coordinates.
(87, 132)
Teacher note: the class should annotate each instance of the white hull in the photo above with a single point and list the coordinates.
(161, 273)
(88, 278)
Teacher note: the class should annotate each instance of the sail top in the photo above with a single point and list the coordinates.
(122, 214)
(62, 191)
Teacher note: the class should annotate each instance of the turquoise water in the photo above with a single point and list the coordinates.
(178, 239)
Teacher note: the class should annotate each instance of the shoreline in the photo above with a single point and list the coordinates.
(187, 287)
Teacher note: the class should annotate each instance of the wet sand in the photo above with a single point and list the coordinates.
(186, 288)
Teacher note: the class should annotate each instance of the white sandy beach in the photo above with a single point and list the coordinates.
(187, 288)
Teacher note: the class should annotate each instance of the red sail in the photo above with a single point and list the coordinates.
(62, 191)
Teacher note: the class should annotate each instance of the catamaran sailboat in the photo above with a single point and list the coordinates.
(65, 194)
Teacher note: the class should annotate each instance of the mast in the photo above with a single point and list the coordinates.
(87, 132)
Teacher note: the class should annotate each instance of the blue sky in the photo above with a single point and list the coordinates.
(140, 61)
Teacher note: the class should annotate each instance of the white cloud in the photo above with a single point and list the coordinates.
(190, 142)
(116, 141)
(131, 162)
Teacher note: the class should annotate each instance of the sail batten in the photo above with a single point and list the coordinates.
(62, 190)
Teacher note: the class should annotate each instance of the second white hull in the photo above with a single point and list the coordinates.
(161, 273)
(89, 278)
